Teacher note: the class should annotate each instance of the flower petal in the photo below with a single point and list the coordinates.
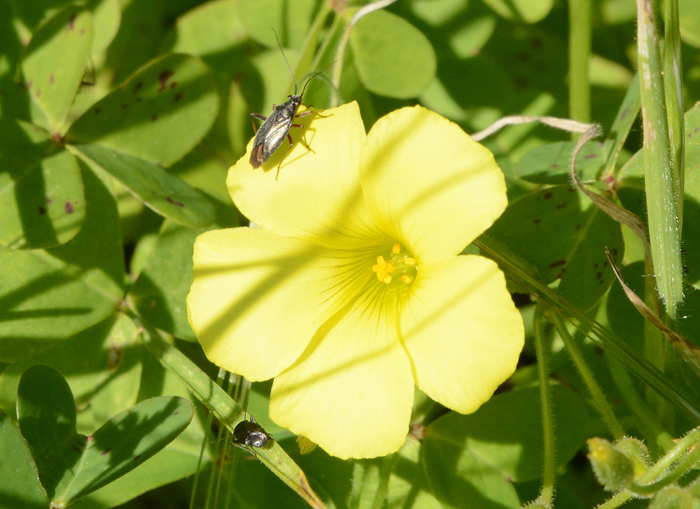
(462, 331)
(317, 195)
(351, 391)
(429, 184)
(258, 298)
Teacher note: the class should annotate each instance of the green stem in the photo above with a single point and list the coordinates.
(548, 475)
(647, 421)
(684, 400)
(661, 189)
(594, 389)
(673, 89)
(579, 54)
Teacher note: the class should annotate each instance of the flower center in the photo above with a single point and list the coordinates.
(398, 269)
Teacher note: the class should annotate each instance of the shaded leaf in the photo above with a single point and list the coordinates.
(552, 231)
(20, 487)
(386, 68)
(165, 193)
(48, 295)
(158, 115)
(530, 11)
(101, 365)
(551, 163)
(55, 60)
(291, 20)
(72, 465)
(515, 446)
(42, 203)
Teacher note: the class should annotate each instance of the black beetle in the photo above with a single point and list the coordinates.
(250, 433)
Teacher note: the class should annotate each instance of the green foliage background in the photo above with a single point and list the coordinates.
(118, 122)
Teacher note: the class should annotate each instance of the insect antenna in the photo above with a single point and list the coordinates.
(286, 62)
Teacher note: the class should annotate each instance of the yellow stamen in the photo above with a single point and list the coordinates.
(396, 249)
(387, 279)
(407, 279)
(409, 261)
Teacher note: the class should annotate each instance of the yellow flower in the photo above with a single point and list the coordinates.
(352, 291)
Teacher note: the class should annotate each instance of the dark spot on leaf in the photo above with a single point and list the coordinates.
(557, 263)
(139, 99)
(154, 118)
(589, 156)
(69, 208)
(163, 79)
(598, 275)
(561, 205)
(176, 413)
(178, 96)
(548, 195)
(29, 84)
(624, 113)
(106, 451)
(595, 266)
(125, 106)
(519, 82)
(82, 31)
(555, 166)
(522, 56)
(97, 110)
(38, 93)
(42, 210)
(561, 274)
(173, 84)
(536, 43)
(537, 221)
(138, 87)
(77, 448)
(114, 356)
(51, 78)
(49, 201)
(605, 264)
(71, 23)
(137, 457)
(175, 202)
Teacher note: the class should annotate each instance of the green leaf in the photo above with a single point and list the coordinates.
(291, 20)
(72, 465)
(393, 58)
(408, 484)
(47, 417)
(514, 447)
(55, 60)
(41, 192)
(48, 295)
(101, 365)
(230, 413)
(107, 17)
(20, 487)
(562, 236)
(126, 441)
(165, 193)
(159, 297)
(158, 115)
(530, 11)
(551, 163)
(689, 14)
(180, 459)
(461, 478)
(214, 32)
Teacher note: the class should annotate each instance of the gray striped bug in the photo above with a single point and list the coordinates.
(276, 127)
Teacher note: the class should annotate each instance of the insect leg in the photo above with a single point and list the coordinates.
(303, 131)
(291, 143)
(309, 111)
(256, 115)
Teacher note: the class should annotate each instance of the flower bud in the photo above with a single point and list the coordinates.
(672, 497)
(613, 469)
